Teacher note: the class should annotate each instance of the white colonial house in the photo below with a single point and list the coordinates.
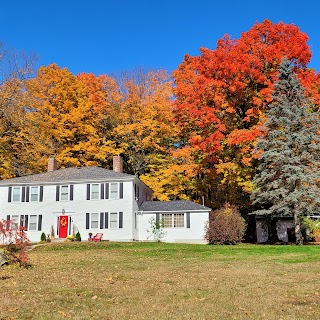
(96, 200)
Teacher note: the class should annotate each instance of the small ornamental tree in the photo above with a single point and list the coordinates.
(225, 226)
(287, 179)
(14, 243)
(156, 229)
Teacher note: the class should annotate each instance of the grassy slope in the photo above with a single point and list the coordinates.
(164, 281)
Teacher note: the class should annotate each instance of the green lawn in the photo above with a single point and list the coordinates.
(164, 281)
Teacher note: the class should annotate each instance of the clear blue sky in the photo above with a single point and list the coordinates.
(108, 36)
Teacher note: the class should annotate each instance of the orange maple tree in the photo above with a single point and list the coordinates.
(222, 94)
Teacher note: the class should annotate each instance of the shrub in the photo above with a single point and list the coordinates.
(78, 236)
(156, 230)
(43, 237)
(15, 242)
(225, 226)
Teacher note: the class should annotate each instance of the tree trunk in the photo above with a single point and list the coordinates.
(297, 229)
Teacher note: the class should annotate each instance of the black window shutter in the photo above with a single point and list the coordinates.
(106, 221)
(120, 220)
(57, 193)
(7, 224)
(88, 191)
(107, 191)
(69, 225)
(41, 194)
(40, 222)
(102, 191)
(23, 198)
(157, 218)
(9, 194)
(188, 219)
(27, 194)
(71, 192)
(101, 220)
(121, 190)
(26, 221)
(87, 220)
(22, 220)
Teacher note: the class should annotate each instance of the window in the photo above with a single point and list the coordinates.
(64, 193)
(113, 220)
(178, 220)
(173, 220)
(34, 194)
(95, 191)
(16, 194)
(33, 222)
(114, 192)
(94, 220)
(15, 218)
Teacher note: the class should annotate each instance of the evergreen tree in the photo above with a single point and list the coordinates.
(287, 179)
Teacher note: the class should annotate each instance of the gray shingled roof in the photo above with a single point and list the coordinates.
(69, 174)
(179, 205)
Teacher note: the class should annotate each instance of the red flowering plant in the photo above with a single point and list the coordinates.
(14, 243)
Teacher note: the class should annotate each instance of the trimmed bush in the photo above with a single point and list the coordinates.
(226, 226)
(78, 236)
(43, 237)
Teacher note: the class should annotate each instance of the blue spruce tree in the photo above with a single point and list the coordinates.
(287, 178)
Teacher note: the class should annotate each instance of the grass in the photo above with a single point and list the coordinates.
(163, 281)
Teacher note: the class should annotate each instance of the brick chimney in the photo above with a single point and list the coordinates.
(52, 164)
(117, 164)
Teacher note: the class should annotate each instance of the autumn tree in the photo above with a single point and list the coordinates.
(65, 118)
(221, 97)
(15, 67)
(287, 181)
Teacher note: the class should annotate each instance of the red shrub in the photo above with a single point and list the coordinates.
(14, 241)
(226, 226)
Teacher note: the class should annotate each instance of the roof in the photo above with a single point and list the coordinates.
(172, 206)
(73, 174)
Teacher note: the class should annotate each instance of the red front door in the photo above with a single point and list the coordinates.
(63, 226)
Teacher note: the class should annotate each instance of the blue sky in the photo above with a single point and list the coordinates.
(109, 36)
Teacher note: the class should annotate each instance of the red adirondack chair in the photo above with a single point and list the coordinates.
(96, 238)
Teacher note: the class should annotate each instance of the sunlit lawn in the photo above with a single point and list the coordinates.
(163, 281)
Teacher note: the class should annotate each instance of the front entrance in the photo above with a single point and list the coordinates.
(63, 226)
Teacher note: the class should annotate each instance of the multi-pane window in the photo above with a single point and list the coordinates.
(95, 191)
(94, 220)
(113, 220)
(15, 218)
(114, 191)
(33, 221)
(64, 193)
(16, 194)
(173, 220)
(34, 194)
(167, 220)
(178, 220)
